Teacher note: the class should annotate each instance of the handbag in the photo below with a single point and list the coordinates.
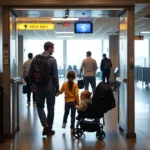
(25, 89)
(80, 84)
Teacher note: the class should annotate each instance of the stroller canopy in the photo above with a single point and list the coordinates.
(102, 101)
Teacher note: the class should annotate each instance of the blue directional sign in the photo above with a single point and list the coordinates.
(83, 27)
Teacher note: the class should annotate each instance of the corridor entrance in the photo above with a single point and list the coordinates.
(121, 57)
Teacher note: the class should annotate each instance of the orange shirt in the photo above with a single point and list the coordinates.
(72, 95)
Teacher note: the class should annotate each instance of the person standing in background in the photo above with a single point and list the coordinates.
(105, 67)
(26, 68)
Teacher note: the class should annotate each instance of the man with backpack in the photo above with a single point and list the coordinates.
(105, 67)
(43, 74)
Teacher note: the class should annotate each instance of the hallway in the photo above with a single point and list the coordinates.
(30, 135)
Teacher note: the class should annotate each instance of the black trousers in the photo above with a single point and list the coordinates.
(106, 75)
(29, 91)
(68, 106)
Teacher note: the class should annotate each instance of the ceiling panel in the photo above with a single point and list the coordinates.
(101, 22)
(105, 22)
(61, 13)
(142, 24)
(100, 28)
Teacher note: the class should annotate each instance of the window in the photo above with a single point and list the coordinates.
(76, 51)
(36, 47)
(141, 53)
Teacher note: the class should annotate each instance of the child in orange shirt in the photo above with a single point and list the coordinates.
(71, 91)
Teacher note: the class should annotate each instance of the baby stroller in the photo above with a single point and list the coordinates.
(89, 120)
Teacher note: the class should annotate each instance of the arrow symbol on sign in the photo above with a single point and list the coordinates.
(25, 26)
(83, 28)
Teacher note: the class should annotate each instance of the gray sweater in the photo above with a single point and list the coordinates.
(84, 104)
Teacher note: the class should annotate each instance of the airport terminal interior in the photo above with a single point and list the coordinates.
(74, 32)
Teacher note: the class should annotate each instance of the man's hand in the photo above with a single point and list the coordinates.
(57, 94)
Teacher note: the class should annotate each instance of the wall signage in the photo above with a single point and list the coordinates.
(27, 26)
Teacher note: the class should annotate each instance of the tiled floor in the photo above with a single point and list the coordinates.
(30, 137)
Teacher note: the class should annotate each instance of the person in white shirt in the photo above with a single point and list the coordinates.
(90, 66)
(26, 68)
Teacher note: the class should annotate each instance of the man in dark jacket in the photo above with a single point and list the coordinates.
(105, 67)
(47, 91)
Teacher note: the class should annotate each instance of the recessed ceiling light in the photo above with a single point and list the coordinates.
(64, 32)
(145, 32)
(64, 19)
(65, 36)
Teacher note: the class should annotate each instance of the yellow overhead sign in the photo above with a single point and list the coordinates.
(35, 26)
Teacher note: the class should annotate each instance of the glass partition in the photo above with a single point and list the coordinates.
(36, 47)
(123, 70)
(106, 47)
(141, 53)
(13, 47)
(76, 52)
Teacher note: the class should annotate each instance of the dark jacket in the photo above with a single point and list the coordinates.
(53, 83)
(106, 64)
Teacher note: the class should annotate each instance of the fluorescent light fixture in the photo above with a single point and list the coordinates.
(64, 32)
(145, 32)
(122, 36)
(65, 36)
(65, 19)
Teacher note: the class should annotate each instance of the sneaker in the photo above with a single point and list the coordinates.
(72, 131)
(28, 103)
(51, 132)
(63, 125)
(45, 130)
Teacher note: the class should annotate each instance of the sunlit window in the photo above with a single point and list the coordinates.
(141, 53)
(36, 47)
(76, 51)
(106, 47)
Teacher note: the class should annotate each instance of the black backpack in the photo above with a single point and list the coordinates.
(41, 71)
(107, 64)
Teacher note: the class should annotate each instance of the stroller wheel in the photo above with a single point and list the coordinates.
(100, 134)
(77, 133)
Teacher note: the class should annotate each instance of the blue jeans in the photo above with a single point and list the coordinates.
(106, 74)
(49, 95)
(68, 106)
(91, 80)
